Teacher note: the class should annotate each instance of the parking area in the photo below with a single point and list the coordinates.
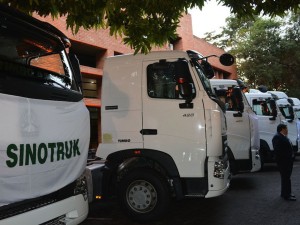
(253, 199)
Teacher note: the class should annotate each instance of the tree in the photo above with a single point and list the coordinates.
(141, 23)
(290, 54)
(267, 50)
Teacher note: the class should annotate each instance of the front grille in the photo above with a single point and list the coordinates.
(57, 221)
(17, 208)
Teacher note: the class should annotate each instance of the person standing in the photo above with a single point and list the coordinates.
(284, 156)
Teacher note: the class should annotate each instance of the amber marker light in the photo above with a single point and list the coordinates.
(99, 197)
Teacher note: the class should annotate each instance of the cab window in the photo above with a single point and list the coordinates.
(164, 77)
(226, 95)
(261, 107)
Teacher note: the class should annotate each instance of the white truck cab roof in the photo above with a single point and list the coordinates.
(282, 102)
(221, 83)
(279, 94)
(150, 56)
(258, 95)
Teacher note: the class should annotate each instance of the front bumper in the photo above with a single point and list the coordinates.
(70, 211)
(218, 176)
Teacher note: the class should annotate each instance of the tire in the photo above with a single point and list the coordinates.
(144, 194)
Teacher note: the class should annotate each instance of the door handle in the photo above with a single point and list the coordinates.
(148, 131)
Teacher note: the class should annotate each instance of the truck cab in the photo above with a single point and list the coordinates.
(44, 125)
(163, 131)
(242, 127)
(290, 111)
(272, 111)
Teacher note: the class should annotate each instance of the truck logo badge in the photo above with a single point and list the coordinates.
(31, 154)
(188, 115)
(29, 125)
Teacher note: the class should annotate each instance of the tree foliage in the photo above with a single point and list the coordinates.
(141, 23)
(267, 50)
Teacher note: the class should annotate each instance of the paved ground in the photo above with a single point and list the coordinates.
(253, 199)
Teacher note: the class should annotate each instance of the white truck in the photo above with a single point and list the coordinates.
(163, 132)
(272, 111)
(44, 125)
(289, 108)
(242, 127)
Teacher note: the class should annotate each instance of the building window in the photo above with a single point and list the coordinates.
(86, 54)
(94, 119)
(226, 75)
(87, 60)
(89, 88)
(117, 53)
(175, 44)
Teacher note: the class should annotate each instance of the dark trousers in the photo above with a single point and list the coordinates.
(285, 169)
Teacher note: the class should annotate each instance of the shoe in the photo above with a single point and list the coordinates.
(290, 198)
(291, 195)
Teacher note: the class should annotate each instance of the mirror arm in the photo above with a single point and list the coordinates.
(186, 105)
(206, 57)
(238, 114)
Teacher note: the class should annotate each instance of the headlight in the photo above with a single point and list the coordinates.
(219, 169)
(81, 187)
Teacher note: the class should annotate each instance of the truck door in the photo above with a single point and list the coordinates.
(267, 122)
(238, 128)
(170, 125)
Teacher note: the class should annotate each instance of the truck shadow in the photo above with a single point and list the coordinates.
(242, 183)
(269, 167)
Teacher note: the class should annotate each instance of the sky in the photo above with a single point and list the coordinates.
(211, 18)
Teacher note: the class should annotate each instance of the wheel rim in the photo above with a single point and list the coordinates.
(141, 196)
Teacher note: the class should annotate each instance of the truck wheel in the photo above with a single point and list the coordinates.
(144, 194)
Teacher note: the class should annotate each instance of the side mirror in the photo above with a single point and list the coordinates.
(239, 98)
(290, 101)
(208, 69)
(226, 59)
(292, 116)
(262, 88)
(273, 108)
(185, 90)
(239, 101)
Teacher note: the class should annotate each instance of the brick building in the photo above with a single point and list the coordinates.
(93, 46)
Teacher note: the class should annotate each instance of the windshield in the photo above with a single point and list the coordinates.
(227, 96)
(262, 107)
(205, 81)
(28, 52)
(287, 111)
(207, 85)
